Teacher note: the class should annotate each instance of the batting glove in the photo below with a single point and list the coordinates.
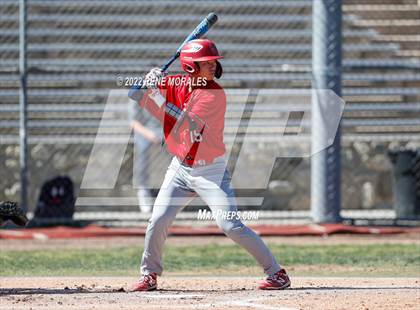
(154, 77)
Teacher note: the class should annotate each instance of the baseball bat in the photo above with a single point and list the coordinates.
(197, 33)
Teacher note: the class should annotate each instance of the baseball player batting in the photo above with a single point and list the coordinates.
(191, 109)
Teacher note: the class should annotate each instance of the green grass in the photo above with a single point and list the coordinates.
(333, 260)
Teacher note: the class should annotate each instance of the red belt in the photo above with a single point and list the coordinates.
(196, 163)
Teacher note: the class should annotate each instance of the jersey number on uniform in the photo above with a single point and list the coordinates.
(196, 136)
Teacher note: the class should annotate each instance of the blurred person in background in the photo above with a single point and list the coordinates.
(147, 133)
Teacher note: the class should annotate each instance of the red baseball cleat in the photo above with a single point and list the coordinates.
(278, 281)
(146, 283)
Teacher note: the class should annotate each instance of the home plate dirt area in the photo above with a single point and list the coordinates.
(215, 292)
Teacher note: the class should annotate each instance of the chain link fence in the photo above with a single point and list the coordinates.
(80, 50)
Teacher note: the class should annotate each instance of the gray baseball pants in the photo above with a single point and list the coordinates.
(212, 184)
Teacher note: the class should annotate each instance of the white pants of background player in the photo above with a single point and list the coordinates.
(212, 184)
(143, 157)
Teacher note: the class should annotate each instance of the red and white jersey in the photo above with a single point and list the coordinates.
(193, 118)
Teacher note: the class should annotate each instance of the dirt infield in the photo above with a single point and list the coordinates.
(209, 293)
(180, 291)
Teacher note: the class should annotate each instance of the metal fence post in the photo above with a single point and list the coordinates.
(23, 155)
(326, 68)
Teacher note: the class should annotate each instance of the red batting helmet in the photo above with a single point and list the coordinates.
(199, 50)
